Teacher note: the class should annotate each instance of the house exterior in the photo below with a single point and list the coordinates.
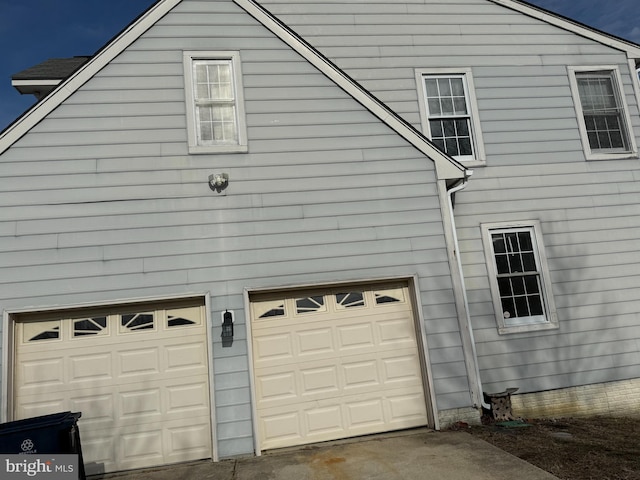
(245, 226)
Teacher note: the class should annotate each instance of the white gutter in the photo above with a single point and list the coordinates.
(477, 388)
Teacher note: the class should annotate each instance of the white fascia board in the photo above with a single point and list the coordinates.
(41, 109)
(446, 167)
(34, 83)
(632, 49)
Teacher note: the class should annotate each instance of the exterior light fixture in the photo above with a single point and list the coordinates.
(227, 328)
(218, 181)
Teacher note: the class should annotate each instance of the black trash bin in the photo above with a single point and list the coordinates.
(48, 434)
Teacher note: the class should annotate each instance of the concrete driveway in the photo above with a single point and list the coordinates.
(408, 455)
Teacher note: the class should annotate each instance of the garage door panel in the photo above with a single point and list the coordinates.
(36, 374)
(137, 362)
(313, 342)
(321, 380)
(362, 373)
(356, 337)
(323, 422)
(352, 368)
(144, 395)
(185, 358)
(273, 347)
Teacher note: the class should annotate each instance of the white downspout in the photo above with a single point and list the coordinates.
(450, 193)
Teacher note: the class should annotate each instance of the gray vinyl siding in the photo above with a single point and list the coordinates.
(535, 169)
(102, 203)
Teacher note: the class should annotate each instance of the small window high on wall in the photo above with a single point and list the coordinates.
(603, 116)
(215, 106)
(449, 113)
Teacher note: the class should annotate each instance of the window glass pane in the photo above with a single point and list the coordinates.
(502, 264)
(508, 308)
(89, 326)
(524, 239)
(449, 128)
(515, 263)
(137, 321)
(436, 128)
(39, 331)
(532, 284)
(522, 307)
(349, 300)
(451, 147)
(460, 105)
(535, 305)
(529, 262)
(457, 87)
(270, 309)
(517, 283)
(447, 106)
(499, 245)
(180, 317)
(445, 87)
(310, 304)
(389, 296)
(464, 145)
(434, 106)
(462, 128)
(504, 286)
(432, 87)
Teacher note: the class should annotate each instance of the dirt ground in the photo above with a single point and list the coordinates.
(598, 448)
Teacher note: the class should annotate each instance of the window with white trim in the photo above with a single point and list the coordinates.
(448, 109)
(519, 277)
(215, 106)
(602, 112)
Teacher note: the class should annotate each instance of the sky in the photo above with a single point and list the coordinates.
(32, 31)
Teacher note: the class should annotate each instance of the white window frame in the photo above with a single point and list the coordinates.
(195, 145)
(479, 157)
(549, 319)
(631, 150)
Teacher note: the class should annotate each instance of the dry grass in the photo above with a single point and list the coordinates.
(601, 448)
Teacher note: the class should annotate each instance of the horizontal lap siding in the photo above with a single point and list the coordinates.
(590, 230)
(101, 201)
(518, 64)
(536, 169)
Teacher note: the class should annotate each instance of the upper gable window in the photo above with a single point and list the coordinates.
(602, 113)
(215, 109)
(448, 109)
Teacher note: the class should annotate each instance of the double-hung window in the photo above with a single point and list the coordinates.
(519, 277)
(602, 113)
(448, 109)
(215, 107)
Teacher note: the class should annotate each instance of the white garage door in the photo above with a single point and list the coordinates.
(139, 375)
(335, 363)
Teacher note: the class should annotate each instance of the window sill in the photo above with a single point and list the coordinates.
(213, 149)
(530, 327)
(473, 163)
(611, 156)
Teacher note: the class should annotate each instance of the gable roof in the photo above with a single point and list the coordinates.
(44, 77)
(447, 168)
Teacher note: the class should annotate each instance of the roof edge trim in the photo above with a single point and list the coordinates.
(632, 49)
(40, 110)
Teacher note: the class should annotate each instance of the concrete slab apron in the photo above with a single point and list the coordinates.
(424, 455)
(408, 455)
